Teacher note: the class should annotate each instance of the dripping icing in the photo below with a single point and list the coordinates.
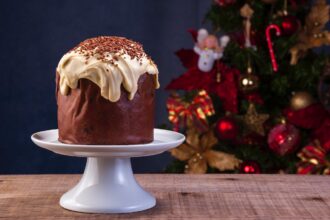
(109, 73)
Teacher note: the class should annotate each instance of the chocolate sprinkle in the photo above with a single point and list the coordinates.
(99, 47)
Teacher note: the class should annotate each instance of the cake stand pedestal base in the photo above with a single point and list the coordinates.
(107, 186)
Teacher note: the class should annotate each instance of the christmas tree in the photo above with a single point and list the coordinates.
(255, 96)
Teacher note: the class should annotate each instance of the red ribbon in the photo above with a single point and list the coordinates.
(313, 160)
(196, 111)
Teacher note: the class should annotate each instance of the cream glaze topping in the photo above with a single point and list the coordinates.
(109, 62)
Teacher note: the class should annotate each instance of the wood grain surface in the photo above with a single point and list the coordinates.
(179, 196)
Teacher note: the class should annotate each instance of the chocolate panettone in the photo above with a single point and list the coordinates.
(105, 89)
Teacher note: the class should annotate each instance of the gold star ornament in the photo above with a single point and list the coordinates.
(255, 121)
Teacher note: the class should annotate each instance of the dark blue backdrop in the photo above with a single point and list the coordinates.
(34, 36)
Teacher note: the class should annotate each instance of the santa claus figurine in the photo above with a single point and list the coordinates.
(209, 49)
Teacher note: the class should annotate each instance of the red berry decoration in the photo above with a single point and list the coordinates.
(249, 167)
(289, 24)
(226, 128)
(283, 139)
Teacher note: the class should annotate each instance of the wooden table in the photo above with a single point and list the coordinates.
(210, 196)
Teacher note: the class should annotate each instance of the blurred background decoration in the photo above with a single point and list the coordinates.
(251, 92)
(264, 106)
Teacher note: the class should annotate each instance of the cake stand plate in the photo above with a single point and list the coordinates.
(108, 184)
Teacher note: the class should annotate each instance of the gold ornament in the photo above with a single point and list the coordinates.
(280, 120)
(248, 82)
(301, 100)
(312, 34)
(283, 12)
(255, 121)
(197, 151)
(246, 11)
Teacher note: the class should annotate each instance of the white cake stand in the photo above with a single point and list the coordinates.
(108, 184)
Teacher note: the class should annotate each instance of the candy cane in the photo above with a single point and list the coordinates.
(270, 44)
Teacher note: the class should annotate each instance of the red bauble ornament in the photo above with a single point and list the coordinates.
(223, 3)
(283, 139)
(226, 128)
(249, 167)
(290, 24)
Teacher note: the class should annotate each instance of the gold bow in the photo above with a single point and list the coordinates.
(197, 151)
